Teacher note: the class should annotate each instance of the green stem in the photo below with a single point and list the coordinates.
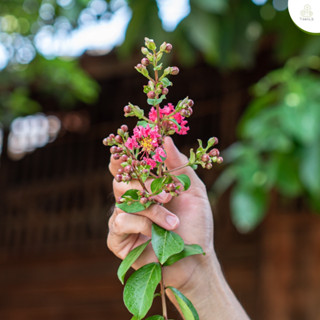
(178, 168)
(163, 297)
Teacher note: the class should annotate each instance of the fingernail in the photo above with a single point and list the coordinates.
(172, 220)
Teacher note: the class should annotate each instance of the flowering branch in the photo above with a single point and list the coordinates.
(142, 157)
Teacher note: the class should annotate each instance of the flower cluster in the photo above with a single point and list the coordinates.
(142, 157)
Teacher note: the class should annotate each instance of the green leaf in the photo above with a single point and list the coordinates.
(132, 256)
(165, 243)
(140, 287)
(155, 318)
(142, 123)
(248, 207)
(154, 102)
(134, 207)
(157, 184)
(166, 82)
(189, 250)
(159, 67)
(176, 123)
(132, 194)
(192, 157)
(187, 308)
(185, 180)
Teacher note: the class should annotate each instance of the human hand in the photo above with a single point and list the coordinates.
(189, 215)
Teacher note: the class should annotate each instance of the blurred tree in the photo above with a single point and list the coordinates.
(278, 147)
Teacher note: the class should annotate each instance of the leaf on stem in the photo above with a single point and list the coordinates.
(140, 287)
(165, 243)
(166, 82)
(157, 185)
(185, 180)
(155, 318)
(186, 306)
(189, 250)
(132, 256)
(133, 207)
(154, 102)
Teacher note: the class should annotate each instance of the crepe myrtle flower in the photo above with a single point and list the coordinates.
(169, 111)
(148, 141)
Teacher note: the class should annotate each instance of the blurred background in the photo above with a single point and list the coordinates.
(66, 74)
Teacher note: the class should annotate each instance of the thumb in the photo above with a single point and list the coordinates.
(175, 158)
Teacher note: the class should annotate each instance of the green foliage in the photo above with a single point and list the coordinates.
(130, 259)
(185, 180)
(140, 287)
(165, 243)
(279, 143)
(188, 250)
(187, 308)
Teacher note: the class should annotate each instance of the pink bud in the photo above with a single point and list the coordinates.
(128, 169)
(208, 165)
(165, 91)
(174, 71)
(113, 149)
(105, 141)
(127, 109)
(145, 61)
(124, 158)
(124, 128)
(205, 158)
(116, 156)
(118, 139)
(151, 94)
(118, 177)
(168, 48)
(143, 200)
(219, 160)
(214, 152)
(190, 103)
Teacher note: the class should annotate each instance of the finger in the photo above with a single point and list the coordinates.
(114, 165)
(122, 224)
(176, 159)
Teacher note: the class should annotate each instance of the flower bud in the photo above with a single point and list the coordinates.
(214, 152)
(120, 170)
(124, 128)
(113, 150)
(171, 187)
(116, 156)
(165, 91)
(205, 158)
(163, 46)
(139, 66)
(128, 169)
(150, 44)
(105, 141)
(120, 132)
(190, 111)
(118, 177)
(145, 62)
(127, 109)
(168, 48)
(144, 50)
(219, 160)
(118, 139)
(124, 158)
(190, 103)
(184, 113)
(119, 149)
(126, 178)
(143, 200)
(174, 71)
(151, 94)
(209, 166)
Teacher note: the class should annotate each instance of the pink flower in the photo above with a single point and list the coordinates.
(159, 155)
(150, 162)
(166, 111)
(131, 143)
